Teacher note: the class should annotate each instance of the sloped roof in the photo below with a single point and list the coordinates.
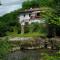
(30, 10)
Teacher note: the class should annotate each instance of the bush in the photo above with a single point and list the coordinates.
(4, 47)
(37, 27)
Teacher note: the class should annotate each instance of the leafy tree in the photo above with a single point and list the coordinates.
(40, 3)
(8, 22)
(30, 4)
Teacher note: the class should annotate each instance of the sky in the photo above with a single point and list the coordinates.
(9, 5)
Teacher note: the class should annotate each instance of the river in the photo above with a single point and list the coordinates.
(29, 55)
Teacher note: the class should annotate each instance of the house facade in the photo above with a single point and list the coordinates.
(30, 16)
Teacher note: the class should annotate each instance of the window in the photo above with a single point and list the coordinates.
(24, 15)
(29, 15)
(38, 14)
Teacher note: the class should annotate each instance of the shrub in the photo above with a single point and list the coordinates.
(4, 47)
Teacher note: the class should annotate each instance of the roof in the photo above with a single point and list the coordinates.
(30, 10)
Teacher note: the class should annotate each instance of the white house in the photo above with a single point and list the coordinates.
(29, 16)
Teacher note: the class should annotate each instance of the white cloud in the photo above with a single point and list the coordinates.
(7, 9)
(10, 1)
(9, 5)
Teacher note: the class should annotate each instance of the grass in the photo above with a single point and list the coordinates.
(34, 34)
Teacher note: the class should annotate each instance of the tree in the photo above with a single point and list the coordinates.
(9, 22)
(40, 3)
(30, 4)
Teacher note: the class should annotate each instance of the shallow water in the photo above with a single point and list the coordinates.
(27, 55)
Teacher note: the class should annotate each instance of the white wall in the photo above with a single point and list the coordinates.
(37, 20)
(25, 18)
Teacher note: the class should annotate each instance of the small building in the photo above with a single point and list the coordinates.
(29, 16)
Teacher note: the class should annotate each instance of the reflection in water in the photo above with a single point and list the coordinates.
(27, 55)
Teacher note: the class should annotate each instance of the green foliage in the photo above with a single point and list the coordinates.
(46, 3)
(30, 4)
(37, 27)
(34, 34)
(4, 47)
(9, 22)
(52, 19)
(40, 3)
(34, 27)
(48, 57)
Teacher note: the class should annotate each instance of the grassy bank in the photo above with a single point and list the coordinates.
(34, 34)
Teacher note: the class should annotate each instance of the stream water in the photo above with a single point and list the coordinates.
(28, 55)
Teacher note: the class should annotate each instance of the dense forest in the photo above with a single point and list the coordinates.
(8, 22)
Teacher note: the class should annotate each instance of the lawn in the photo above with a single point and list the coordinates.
(34, 34)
